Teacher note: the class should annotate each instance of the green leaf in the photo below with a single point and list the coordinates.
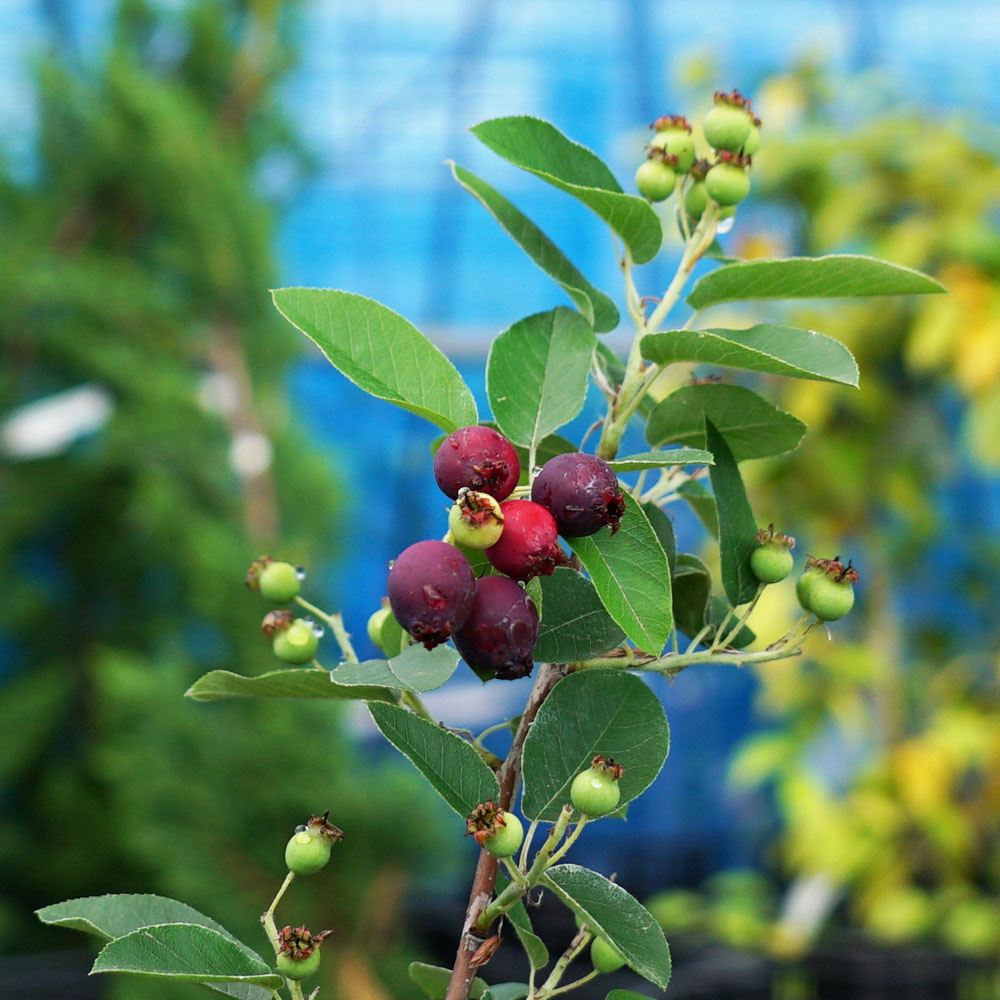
(718, 609)
(833, 277)
(536, 374)
(590, 712)
(737, 527)
(540, 148)
(608, 909)
(533, 588)
(506, 991)
(433, 980)
(574, 624)
(752, 427)
(415, 669)
(380, 352)
(660, 522)
(305, 682)
(459, 774)
(626, 995)
(767, 347)
(692, 589)
(632, 577)
(661, 459)
(185, 953)
(533, 945)
(599, 311)
(702, 503)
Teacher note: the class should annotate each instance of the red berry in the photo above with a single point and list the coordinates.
(501, 630)
(477, 457)
(431, 586)
(528, 546)
(581, 492)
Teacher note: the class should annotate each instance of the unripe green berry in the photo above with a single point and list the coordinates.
(475, 520)
(507, 839)
(752, 143)
(306, 853)
(655, 180)
(596, 791)
(771, 563)
(696, 199)
(278, 582)
(677, 142)
(727, 184)
(605, 956)
(727, 127)
(297, 643)
(375, 623)
(829, 598)
(804, 585)
(298, 968)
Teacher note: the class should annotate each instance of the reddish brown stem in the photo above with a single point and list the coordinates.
(484, 880)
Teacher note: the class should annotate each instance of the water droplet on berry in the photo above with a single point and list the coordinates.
(300, 573)
(725, 225)
(301, 828)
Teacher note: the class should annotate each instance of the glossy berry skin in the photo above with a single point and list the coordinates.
(297, 643)
(528, 546)
(677, 142)
(507, 840)
(581, 492)
(605, 956)
(655, 180)
(727, 184)
(278, 582)
(595, 792)
(501, 630)
(727, 127)
(771, 563)
(481, 459)
(830, 599)
(298, 968)
(306, 853)
(475, 520)
(431, 586)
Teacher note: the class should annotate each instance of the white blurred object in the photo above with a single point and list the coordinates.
(217, 393)
(50, 425)
(250, 454)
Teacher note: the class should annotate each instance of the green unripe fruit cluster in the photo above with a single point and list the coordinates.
(279, 582)
(297, 643)
(596, 792)
(605, 956)
(307, 852)
(508, 837)
(727, 126)
(772, 560)
(655, 179)
(727, 183)
(298, 968)
(826, 589)
(673, 136)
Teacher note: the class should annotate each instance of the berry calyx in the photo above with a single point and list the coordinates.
(308, 850)
(727, 126)
(528, 546)
(605, 956)
(501, 630)
(656, 176)
(298, 951)
(772, 560)
(475, 519)
(479, 458)
(581, 492)
(294, 640)
(276, 581)
(728, 183)
(496, 830)
(596, 791)
(673, 135)
(430, 587)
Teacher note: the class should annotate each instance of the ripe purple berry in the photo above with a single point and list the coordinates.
(581, 492)
(501, 630)
(431, 587)
(528, 546)
(479, 458)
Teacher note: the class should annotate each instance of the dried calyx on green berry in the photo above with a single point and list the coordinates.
(727, 126)
(596, 791)
(498, 831)
(475, 519)
(605, 956)
(308, 850)
(826, 588)
(657, 175)
(772, 560)
(673, 135)
(293, 640)
(727, 182)
(298, 951)
(276, 581)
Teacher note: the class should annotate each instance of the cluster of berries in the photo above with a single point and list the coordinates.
(293, 639)
(826, 587)
(432, 589)
(733, 131)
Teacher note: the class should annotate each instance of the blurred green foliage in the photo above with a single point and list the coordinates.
(137, 260)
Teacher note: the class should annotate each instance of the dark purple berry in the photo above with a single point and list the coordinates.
(581, 492)
(431, 586)
(481, 459)
(529, 544)
(501, 629)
